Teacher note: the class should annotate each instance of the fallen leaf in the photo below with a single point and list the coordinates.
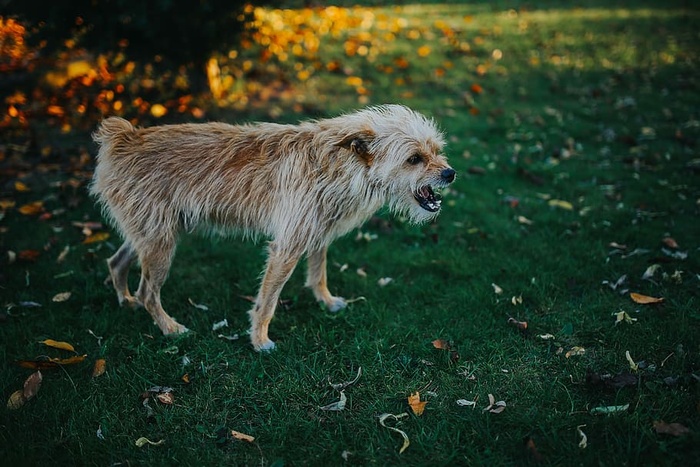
(495, 407)
(673, 429)
(558, 203)
(58, 345)
(64, 253)
(95, 238)
(166, 398)
(99, 368)
(61, 297)
(575, 351)
(621, 280)
(633, 366)
(16, 400)
(612, 409)
(517, 300)
(644, 299)
(197, 305)
(441, 344)
(623, 316)
(141, 442)
(584, 439)
(32, 385)
(384, 281)
(497, 290)
(415, 403)
(522, 325)
(234, 337)
(31, 209)
(524, 220)
(336, 406)
(617, 246)
(51, 362)
(382, 421)
(466, 403)
(220, 324)
(670, 242)
(21, 187)
(361, 272)
(341, 386)
(650, 271)
(242, 436)
(546, 337)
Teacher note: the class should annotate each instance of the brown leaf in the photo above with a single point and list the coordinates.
(166, 398)
(46, 364)
(416, 405)
(58, 345)
(644, 299)
(673, 429)
(99, 368)
(242, 436)
(32, 385)
(522, 325)
(670, 242)
(441, 344)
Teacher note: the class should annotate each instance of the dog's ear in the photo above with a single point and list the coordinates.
(358, 143)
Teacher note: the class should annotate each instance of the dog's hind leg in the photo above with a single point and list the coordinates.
(316, 280)
(280, 265)
(155, 257)
(119, 265)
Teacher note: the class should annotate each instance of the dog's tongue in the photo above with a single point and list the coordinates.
(427, 193)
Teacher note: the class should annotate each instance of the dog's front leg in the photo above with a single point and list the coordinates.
(316, 280)
(280, 265)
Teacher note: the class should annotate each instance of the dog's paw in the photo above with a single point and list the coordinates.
(265, 347)
(130, 301)
(336, 304)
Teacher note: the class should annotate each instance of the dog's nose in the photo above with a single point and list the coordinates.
(448, 175)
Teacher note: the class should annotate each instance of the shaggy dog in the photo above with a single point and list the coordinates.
(302, 186)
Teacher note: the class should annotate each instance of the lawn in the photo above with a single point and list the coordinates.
(575, 135)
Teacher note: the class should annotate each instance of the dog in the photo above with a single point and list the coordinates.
(301, 186)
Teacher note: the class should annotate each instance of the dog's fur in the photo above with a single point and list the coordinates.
(300, 185)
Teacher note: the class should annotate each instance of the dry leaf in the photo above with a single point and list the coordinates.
(650, 271)
(583, 444)
(384, 281)
(546, 337)
(497, 290)
(670, 242)
(522, 325)
(495, 407)
(166, 397)
(64, 253)
(558, 203)
(441, 344)
(382, 421)
(21, 187)
(466, 403)
(612, 409)
(673, 429)
(61, 297)
(337, 406)
(95, 238)
(197, 305)
(99, 368)
(416, 405)
(58, 345)
(141, 442)
(524, 220)
(633, 366)
(220, 324)
(242, 436)
(32, 385)
(644, 299)
(32, 209)
(16, 400)
(621, 316)
(575, 351)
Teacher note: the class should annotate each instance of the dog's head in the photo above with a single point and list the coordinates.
(402, 152)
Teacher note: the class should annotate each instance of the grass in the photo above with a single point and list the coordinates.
(596, 106)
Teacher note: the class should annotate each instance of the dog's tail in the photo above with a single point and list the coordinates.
(114, 136)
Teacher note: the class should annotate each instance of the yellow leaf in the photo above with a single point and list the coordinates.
(61, 297)
(21, 187)
(31, 209)
(558, 203)
(58, 344)
(416, 405)
(575, 351)
(16, 400)
(99, 368)
(644, 299)
(242, 436)
(94, 238)
(158, 110)
(141, 442)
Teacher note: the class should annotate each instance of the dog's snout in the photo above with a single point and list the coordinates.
(448, 175)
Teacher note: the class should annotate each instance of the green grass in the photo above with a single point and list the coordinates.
(613, 84)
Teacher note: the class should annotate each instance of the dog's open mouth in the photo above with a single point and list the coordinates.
(427, 199)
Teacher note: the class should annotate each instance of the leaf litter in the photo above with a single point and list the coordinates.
(383, 418)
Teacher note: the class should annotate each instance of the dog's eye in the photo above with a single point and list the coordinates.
(415, 159)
